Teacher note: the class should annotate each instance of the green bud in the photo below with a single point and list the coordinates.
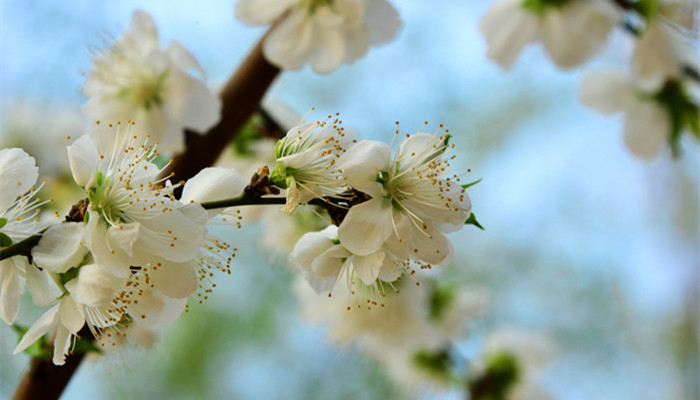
(279, 177)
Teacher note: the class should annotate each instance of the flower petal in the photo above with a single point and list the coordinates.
(60, 248)
(10, 290)
(94, 285)
(19, 172)
(39, 329)
(213, 184)
(367, 267)
(508, 28)
(366, 227)
(176, 280)
(647, 127)
(83, 158)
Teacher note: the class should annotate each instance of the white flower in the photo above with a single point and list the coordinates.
(530, 352)
(665, 46)
(19, 220)
(137, 80)
(324, 33)
(413, 199)
(571, 31)
(307, 159)
(132, 218)
(647, 122)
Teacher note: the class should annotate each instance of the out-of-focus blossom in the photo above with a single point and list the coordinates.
(656, 111)
(323, 33)
(136, 80)
(572, 31)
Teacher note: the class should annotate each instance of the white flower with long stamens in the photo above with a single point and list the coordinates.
(323, 33)
(572, 31)
(413, 199)
(132, 219)
(307, 161)
(137, 80)
(19, 209)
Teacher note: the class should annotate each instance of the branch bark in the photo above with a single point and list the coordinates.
(240, 99)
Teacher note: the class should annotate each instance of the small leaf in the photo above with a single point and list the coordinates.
(3, 222)
(472, 221)
(468, 185)
(5, 240)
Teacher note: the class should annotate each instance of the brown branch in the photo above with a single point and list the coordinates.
(240, 99)
(46, 381)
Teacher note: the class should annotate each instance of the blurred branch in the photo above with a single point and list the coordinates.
(240, 99)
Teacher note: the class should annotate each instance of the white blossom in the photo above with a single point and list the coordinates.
(307, 161)
(132, 218)
(413, 199)
(647, 122)
(665, 46)
(323, 33)
(571, 31)
(139, 81)
(19, 209)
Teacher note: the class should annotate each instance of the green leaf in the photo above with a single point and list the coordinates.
(472, 221)
(692, 118)
(85, 346)
(3, 222)
(39, 349)
(5, 240)
(468, 185)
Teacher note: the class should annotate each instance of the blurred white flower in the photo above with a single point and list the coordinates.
(572, 31)
(323, 33)
(647, 122)
(413, 199)
(525, 353)
(132, 219)
(19, 209)
(665, 47)
(307, 161)
(136, 80)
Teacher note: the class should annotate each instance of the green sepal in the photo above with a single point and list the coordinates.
(441, 297)
(468, 185)
(682, 113)
(278, 176)
(69, 275)
(85, 346)
(472, 221)
(501, 375)
(39, 349)
(5, 240)
(540, 6)
(648, 9)
(3, 222)
(99, 178)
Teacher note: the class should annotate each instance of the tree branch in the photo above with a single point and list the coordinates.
(240, 99)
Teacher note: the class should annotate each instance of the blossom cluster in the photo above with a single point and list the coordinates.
(656, 94)
(130, 253)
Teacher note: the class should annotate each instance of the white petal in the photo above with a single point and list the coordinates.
(578, 30)
(94, 285)
(83, 158)
(362, 163)
(659, 52)
(647, 127)
(433, 248)
(124, 236)
(60, 248)
(289, 44)
(329, 50)
(156, 310)
(19, 173)
(190, 103)
(43, 289)
(183, 59)
(606, 91)
(176, 280)
(311, 245)
(330, 262)
(70, 314)
(367, 267)
(213, 184)
(39, 329)
(366, 226)
(259, 12)
(382, 20)
(10, 290)
(61, 345)
(508, 28)
(142, 31)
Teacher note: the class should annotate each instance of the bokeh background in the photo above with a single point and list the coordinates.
(583, 242)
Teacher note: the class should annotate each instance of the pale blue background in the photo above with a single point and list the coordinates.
(583, 241)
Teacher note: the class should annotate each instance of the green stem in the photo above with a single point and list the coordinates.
(20, 248)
